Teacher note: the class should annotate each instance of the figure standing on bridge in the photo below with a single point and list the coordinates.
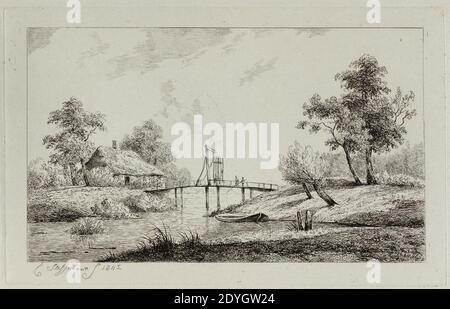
(236, 180)
(243, 181)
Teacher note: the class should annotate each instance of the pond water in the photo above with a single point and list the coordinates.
(51, 241)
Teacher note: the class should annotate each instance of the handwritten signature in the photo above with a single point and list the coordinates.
(87, 271)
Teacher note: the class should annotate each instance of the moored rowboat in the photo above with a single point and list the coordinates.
(235, 218)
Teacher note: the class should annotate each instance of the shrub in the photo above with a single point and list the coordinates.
(148, 203)
(302, 165)
(41, 174)
(408, 160)
(405, 160)
(111, 210)
(399, 180)
(51, 212)
(87, 226)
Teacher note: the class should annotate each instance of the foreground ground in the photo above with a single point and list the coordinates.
(393, 244)
(371, 222)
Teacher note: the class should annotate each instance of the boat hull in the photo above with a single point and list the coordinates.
(236, 218)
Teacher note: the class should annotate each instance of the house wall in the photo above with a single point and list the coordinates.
(103, 177)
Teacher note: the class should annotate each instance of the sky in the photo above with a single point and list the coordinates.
(260, 75)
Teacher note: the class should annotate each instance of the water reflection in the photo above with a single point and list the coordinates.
(50, 241)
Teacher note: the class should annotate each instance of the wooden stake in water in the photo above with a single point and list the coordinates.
(176, 198)
(308, 220)
(207, 197)
(299, 221)
(181, 197)
(218, 198)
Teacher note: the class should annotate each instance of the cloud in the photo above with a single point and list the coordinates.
(165, 43)
(39, 38)
(235, 40)
(257, 69)
(99, 48)
(312, 32)
(189, 59)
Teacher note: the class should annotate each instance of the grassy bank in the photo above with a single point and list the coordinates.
(393, 244)
(70, 204)
(379, 205)
(371, 222)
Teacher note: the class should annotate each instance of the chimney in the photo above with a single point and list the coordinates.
(114, 144)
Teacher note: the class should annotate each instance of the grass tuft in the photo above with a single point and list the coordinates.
(190, 239)
(162, 241)
(87, 226)
(161, 246)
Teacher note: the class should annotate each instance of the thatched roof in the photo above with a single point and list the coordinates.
(121, 162)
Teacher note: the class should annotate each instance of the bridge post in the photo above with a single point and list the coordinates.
(181, 197)
(176, 198)
(251, 193)
(218, 197)
(243, 194)
(207, 197)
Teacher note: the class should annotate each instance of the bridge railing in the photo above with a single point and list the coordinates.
(262, 185)
(240, 184)
(229, 183)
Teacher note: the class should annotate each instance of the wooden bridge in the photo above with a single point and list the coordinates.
(233, 184)
(212, 176)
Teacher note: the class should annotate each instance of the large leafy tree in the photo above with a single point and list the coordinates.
(365, 118)
(146, 141)
(344, 127)
(175, 175)
(384, 117)
(71, 146)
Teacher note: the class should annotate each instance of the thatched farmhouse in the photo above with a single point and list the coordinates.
(109, 166)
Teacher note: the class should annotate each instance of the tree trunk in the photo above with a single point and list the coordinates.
(350, 166)
(308, 193)
(85, 176)
(323, 195)
(370, 178)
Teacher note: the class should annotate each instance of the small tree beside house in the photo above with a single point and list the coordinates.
(71, 146)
